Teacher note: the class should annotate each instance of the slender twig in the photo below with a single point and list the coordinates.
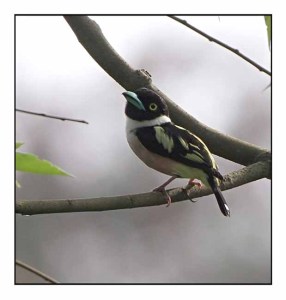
(35, 271)
(237, 178)
(212, 39)
(50, 116)
(92, 39)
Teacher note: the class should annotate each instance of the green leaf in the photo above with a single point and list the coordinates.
(18, 185)
(19, 144)
(268, 24)
(27, 162)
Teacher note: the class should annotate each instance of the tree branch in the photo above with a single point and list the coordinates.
(50, 116)
(92, 39)
(212, 39)
(237, 178)
(35, 271)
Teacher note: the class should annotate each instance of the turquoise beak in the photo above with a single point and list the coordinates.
(134, 100)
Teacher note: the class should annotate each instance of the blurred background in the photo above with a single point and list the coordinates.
(185, 243)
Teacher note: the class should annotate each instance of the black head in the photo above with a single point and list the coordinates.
(144, 104)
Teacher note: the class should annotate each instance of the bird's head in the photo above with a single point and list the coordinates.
(144, 104)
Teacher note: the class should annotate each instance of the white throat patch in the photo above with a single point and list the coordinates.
(133, 124)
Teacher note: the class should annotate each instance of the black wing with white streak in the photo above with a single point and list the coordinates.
(177, 143)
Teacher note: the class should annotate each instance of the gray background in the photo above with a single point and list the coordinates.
(185, 243)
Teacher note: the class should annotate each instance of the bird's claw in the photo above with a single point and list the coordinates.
(193, 183)
(166, 195)
(190, 185)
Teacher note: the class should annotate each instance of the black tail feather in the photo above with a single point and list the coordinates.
(221, 201)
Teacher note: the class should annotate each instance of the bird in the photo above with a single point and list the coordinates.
(168, 148)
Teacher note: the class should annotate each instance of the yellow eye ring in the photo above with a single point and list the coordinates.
(153, 106)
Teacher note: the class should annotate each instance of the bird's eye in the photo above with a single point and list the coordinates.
(153, 106)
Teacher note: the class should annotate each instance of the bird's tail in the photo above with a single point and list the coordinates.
(221, 201)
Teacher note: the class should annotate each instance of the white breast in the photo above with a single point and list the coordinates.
(152, 160)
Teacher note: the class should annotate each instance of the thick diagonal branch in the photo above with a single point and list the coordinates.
(245, 175)
(92, 39)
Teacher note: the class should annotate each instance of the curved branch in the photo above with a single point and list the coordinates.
(35, 271)
(245, 175)
(212, 39)
(92, 39)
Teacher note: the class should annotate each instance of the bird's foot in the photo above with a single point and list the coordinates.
(190, 185)
(193, 183)
(162, 190)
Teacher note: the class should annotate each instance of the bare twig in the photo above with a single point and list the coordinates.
(49, 116)
(212, 39)
(92, 39)
(245, 175)
(35, 271)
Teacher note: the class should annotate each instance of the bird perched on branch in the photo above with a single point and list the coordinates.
(169, 148)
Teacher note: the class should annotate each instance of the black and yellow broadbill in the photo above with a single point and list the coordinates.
(169, 148)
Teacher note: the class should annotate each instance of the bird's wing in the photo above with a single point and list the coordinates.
(179, 144)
